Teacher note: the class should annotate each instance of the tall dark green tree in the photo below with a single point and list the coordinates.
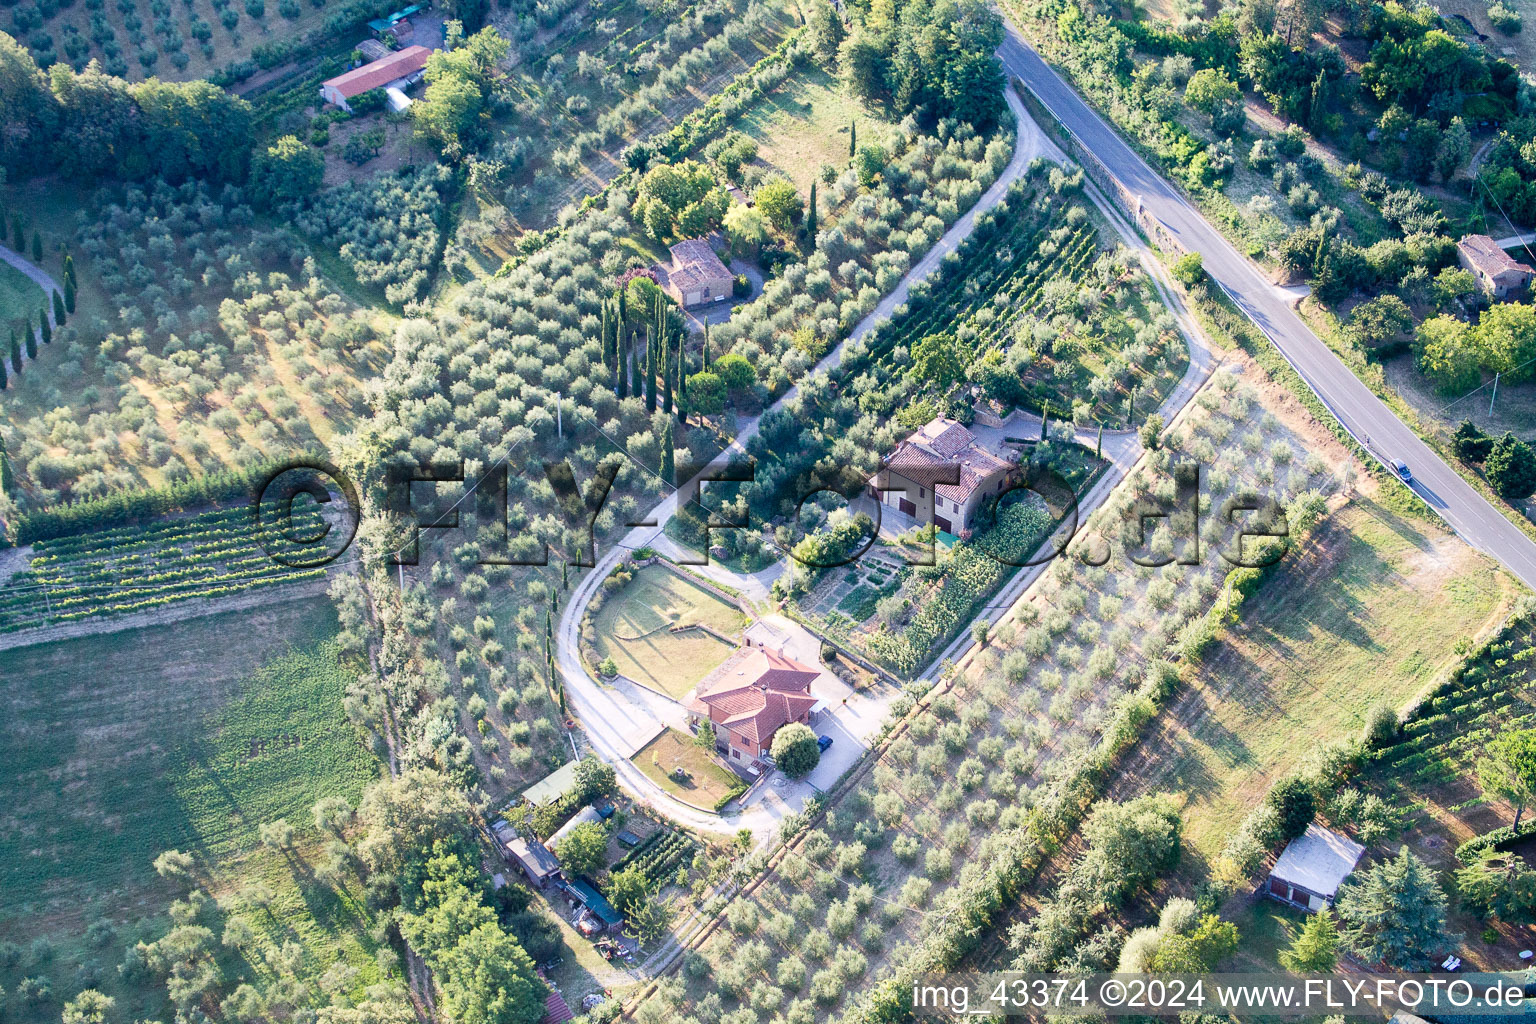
(666, 374)
(18, 236)
(69, 293)
(15, 352)
(810, 216)
(853, 138)
(29, 338)
(623, 372)
(5, 377)
(1394, 914)
(650, 374)
(668, 467)
(706, 344)
(7, 479)
(58, 309)
(37, 246)
(42, 319)
(69, 270)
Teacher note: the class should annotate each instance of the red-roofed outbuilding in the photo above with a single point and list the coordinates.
(377, 75)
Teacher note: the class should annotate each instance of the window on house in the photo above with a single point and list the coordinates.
(922, 492)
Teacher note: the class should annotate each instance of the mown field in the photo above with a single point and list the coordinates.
(1371, 610)
(187, 736)
(632, 628)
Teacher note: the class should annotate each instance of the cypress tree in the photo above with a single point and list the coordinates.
(69, 293)
(810, 217)
(650, 374)
(682, 378)
(1045, 418)
(30, 339)
(5, 382)
(18, 236)
(37, 246)
(706, 344)
(58, 309)
(666, 376)
(668, 470)
(1098, 450)
(6, 480)
(623, 374)
(636, 381)
(69, 269)
(853, 138)
(15, 353)
(42, 319)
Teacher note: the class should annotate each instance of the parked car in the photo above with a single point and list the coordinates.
(1402, 470)
(823, 742)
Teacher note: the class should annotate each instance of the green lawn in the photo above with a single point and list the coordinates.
(19, 298)
(803, 126)
(1371, 610)
(632, 629)
(185, 736)
(707, 785)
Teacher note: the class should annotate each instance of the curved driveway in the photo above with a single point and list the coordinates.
(613, 724)
(1364, 415)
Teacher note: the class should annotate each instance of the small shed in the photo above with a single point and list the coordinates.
(534, 858)
(581, 817)
(595, 902)
(552, 786)
(1312, 867)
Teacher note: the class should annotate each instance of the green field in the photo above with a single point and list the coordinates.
(19, 298)
(803, 125)
(1369, 611)
(186, 736)
(707, 784)
(631, 628)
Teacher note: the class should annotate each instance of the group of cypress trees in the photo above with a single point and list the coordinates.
(63, 305)
(660, 371)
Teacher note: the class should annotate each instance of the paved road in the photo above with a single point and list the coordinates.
(610, 719)
(41, 278)
(1362, 413)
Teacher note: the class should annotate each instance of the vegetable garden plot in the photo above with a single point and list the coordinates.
(133, 568)
(881, 872)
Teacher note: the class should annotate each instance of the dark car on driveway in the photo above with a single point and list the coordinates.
(823, 742)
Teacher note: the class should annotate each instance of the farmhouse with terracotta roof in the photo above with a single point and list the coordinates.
(695, 277)
(748, 699)
(396, 72)
(1497, 273)
(941, 474)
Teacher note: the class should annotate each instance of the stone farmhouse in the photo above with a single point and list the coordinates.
(941, 475)
(1497, 273)
(695, 277)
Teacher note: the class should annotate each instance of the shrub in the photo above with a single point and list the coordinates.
(794, 750)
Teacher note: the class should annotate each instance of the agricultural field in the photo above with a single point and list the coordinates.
(138, 39)
(588, 86)
(1372, 610)
(1010, 727)
(133, 568)
(688, 771)
(1039, 313)
(122, 746)
(637, 627)
(805, 125)
(201, 341)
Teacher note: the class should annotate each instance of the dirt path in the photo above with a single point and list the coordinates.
(178, 611)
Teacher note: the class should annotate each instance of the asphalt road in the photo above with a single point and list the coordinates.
(1357, 408)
